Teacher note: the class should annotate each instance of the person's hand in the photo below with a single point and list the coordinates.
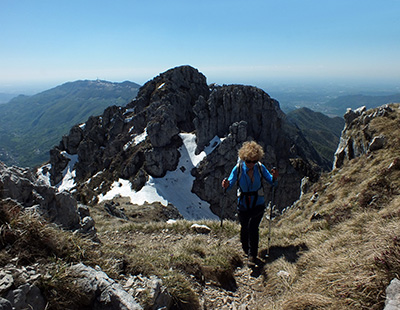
(225, 183)
(274, 173)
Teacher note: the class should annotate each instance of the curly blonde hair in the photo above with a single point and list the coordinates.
(251, 150)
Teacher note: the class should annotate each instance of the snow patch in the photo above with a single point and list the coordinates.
(148, 194)
(213, 144)
(69, 173)
(44, 177)
(128, 119)
(136, 140)
(175, 187)
(141, 137)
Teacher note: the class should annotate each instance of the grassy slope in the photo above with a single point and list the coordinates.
(352, 248)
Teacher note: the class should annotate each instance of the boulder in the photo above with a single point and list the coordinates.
(100, 291)
(26, 296)
(377, 143)
(152, 289)
(6, 281)
(393, 295)
(5, 304)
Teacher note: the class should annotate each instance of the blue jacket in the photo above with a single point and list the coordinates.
(246, 185)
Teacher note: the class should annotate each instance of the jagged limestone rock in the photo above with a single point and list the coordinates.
(23, 187)
(248, 113)
(26, 296)
(153, 290)
(357, 139)
(5, 304)
(143, 137)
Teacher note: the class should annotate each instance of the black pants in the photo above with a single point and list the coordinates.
(249, 234)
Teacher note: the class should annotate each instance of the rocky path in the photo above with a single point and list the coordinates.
(249, 294)
(250, 291)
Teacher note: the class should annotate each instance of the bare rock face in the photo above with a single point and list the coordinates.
(23, 187)
(163, 109)
(248, 113)
(142, 139)
(357, 137)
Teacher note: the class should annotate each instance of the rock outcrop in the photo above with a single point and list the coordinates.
(100, 291)
(355, 142)
(242, 113)
(31, 193)
(142, 139)
(393, 295)
(19, 289)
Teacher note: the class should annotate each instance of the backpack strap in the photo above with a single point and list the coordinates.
(247, 195)
(240, 171)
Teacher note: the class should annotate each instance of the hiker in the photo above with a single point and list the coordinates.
(251, 204)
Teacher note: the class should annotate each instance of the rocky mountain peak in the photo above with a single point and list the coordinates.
(170, 95)
(142, 140)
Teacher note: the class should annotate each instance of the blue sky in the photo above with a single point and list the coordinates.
(46, 43)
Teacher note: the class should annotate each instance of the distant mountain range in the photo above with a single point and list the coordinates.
(31, 125)
(4, 97)
(339, 105)
(328, 101)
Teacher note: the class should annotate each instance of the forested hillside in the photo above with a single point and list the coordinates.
(31, 125)
(322, 131)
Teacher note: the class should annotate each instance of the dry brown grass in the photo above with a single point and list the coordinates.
(353, 247)
(182, 258)
(27, 239)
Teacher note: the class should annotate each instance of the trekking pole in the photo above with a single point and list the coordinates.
(223, 206)
(275, 176)
(271, 206)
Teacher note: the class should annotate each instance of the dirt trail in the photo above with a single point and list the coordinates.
(249, 292)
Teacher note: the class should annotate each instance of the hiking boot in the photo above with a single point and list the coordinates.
(252, 260)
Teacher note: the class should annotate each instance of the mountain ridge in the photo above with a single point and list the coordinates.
(31, 125)
(340, 104)
(177, 101)
(322, 131)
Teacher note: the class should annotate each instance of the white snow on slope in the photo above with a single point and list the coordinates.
(42, 176)
(68, 181)
(175, 187)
